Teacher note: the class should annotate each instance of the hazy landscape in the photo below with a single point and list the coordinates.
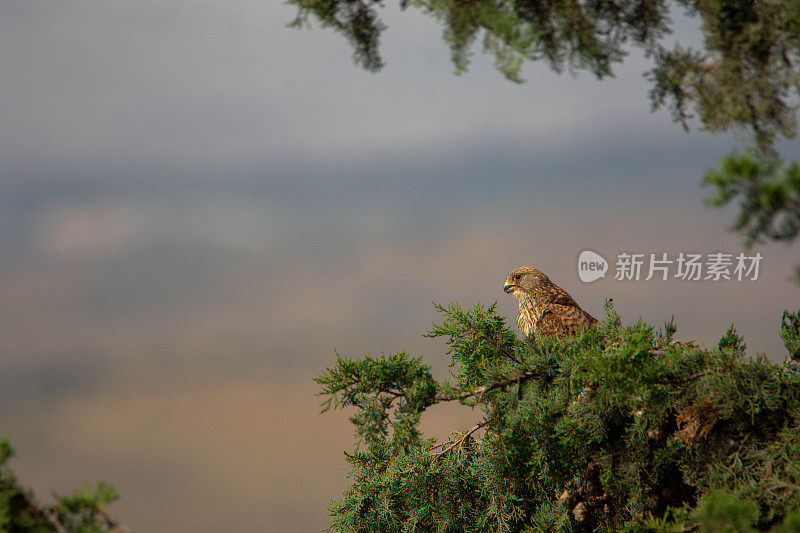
(199, 206)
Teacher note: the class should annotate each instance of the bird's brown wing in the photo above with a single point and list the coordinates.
(551, 324)
(560, 297)
(563, 320)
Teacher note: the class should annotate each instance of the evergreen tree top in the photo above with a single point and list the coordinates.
(619, 428)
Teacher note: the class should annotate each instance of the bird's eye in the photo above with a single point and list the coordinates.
(517, 276)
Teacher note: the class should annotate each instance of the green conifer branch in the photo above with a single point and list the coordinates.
(615, 429)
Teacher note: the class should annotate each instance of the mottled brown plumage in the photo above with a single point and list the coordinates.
(544, 307)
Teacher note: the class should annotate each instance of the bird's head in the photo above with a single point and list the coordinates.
(525, 279)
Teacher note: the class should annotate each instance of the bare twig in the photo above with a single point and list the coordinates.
(52, 517)
(480, 391)
(665, 348)
(691, 377)
(739, 449)
(504, 353)
(452, 445)
(788, 60)
(783, 485)
(393, 393)
(115, 526)
(437, 446)
(696, 375)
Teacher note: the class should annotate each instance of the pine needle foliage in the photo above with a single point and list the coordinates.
(743, 77)
(768, 195)
(618, 428)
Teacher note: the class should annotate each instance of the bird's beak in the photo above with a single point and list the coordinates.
(507, 288)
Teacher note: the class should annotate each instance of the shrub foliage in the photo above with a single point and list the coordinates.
(619, 428)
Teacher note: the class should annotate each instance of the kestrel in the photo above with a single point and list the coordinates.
(544, 307)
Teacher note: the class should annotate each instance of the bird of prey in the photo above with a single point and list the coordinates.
(544, 307)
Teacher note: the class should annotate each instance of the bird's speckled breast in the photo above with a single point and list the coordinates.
(528, 316)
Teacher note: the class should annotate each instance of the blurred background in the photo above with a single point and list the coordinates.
(199, 205)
